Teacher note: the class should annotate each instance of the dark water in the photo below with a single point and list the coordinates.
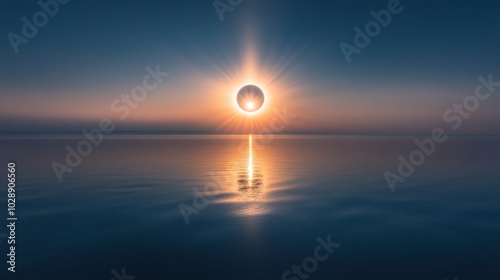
(120, 208)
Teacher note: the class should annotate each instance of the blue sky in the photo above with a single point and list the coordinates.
(424, 61)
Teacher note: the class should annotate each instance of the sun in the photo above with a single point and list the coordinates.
(253, 91)
(250, 98)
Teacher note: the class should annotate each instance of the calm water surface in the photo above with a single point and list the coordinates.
(120, 208)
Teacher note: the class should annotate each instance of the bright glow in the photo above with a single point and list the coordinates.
(250, 160)
(278, 86)
(250, 105)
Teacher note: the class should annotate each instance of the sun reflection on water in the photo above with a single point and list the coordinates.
(250, 185)
(250, 178)
(250, 159)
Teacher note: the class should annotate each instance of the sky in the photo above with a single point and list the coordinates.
(90, 53)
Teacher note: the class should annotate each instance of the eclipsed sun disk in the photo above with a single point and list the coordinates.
(250, 98)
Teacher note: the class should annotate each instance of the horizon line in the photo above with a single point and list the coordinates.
(78, 135)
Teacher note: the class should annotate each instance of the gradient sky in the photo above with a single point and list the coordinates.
(90, 53)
